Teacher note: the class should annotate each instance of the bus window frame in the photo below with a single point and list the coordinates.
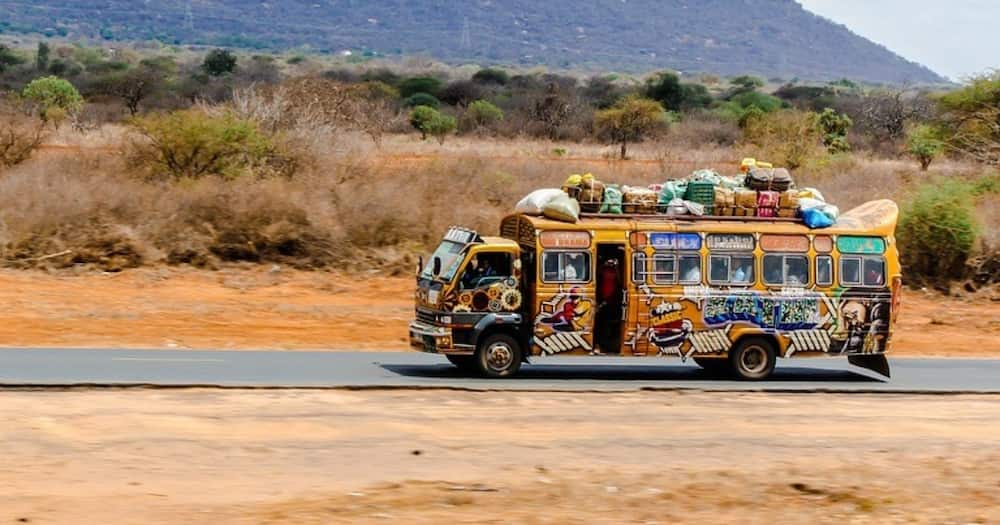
(701, 267)
(784, 268)
(640, 268)
(729, 274)
(558, 251)
(861, 271)
(833, 276)
(655, 274)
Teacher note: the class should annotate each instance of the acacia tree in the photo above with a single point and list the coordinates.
(137, 84)
(971, 118)
(53, 98)
(630, 120)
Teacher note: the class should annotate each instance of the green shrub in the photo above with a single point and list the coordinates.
(54, 97)
(191, 144)
(937, 231)
(219, 62)
(833, 128)
(420, 117)
(924, 144)
(441, 126)
(491, 76)
(482, 114)
(422, 99)
(414, 85)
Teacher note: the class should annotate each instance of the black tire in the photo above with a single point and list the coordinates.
(465, 363)
(753, 359)
(498, 356)
(713, 365)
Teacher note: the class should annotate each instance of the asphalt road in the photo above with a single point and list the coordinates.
(272, 369)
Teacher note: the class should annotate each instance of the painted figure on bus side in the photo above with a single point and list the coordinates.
(569, 313)
(669, 330)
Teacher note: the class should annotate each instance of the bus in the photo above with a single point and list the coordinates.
(733, 294)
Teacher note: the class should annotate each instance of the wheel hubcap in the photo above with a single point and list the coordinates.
(499, 356)
(754, 359)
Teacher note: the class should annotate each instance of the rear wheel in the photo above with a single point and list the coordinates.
(753, 359)
(465, 363)
(498, 355)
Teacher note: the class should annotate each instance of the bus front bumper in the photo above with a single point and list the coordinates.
(434, 340)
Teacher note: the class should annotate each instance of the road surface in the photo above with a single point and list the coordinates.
(275, 369)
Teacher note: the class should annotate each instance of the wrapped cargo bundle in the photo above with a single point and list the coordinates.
(725, 200)
(746, 198)
(774, 179)
(639, 200)
(767, 203)
(535, 202)
(562, 208)
(670, 190)
(591, 196)
(612, 200)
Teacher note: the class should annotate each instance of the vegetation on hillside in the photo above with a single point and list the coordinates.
(254, 158)
(769, 37)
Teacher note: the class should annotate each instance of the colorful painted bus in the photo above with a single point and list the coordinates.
(733, 294)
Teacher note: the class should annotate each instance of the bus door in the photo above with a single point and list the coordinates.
(612, 297)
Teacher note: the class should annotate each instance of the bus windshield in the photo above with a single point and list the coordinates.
(450, 254)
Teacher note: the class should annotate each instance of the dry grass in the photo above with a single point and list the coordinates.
(354, 205)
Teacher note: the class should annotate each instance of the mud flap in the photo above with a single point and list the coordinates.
(876, 363)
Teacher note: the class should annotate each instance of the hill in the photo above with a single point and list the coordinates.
(774, 38)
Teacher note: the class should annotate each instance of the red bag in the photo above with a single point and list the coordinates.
(765, 212)
(768, 199)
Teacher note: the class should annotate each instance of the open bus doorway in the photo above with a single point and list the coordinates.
(608, 323)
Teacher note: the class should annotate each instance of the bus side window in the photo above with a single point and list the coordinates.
(850, 271)
(718, 271)
(566, 267)
(824, 270)
(690, 268)
(874, 271)
(639, 267)
(664, 269)
(786, 270)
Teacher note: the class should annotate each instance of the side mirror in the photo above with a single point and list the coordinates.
(437, 266)
(420, 265)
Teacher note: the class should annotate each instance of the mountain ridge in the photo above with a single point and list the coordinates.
(773, 38)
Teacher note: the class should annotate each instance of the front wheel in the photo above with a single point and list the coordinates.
(753, 359)
(498, 355)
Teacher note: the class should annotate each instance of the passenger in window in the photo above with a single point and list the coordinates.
(693, 274)
(874, 278)
(569, 271)
(823, 273)
(742, 273)
(797, 272)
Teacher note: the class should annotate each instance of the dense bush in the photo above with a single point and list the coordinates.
(788, 137)
(422, 99)
(53, 97)
(414, 85)
(193, 143)
(219, 62)
(924, 144)
(937, 231)
(482, 115)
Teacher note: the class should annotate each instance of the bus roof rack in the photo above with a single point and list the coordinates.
(688, 218)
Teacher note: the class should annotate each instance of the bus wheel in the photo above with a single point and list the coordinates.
(498, 355)
(712, 365)
(753, 358)
(465, 363)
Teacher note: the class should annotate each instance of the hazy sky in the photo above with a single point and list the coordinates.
(955, 38)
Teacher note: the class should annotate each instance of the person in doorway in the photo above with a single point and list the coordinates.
(609, 290)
